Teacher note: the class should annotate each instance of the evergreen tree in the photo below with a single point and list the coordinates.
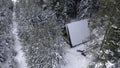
(107, 22)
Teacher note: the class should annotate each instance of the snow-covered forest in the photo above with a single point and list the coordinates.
(36, 33)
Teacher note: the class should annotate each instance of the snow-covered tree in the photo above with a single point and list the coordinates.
(105, 25)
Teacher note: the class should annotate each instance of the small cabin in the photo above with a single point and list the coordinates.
(78, 32)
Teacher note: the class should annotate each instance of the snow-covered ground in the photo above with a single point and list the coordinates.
(14, 1)
(20, 57)
(73, 58)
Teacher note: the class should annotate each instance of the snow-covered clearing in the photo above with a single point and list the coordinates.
(74, 59)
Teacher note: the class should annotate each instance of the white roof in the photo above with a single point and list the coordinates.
(78, 31)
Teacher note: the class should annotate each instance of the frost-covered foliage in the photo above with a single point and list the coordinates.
(6, 38)
(40, 23)
(87, 8)
(40, 28)
(40, 33)
(107, 27)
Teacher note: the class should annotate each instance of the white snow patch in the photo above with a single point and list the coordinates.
(98, 65)
(14, 0)
(109, 64)
(74, 59)
(20, 57)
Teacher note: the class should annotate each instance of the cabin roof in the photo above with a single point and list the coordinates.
(78, 32)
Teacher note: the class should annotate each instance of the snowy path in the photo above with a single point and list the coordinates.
(20, 57)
